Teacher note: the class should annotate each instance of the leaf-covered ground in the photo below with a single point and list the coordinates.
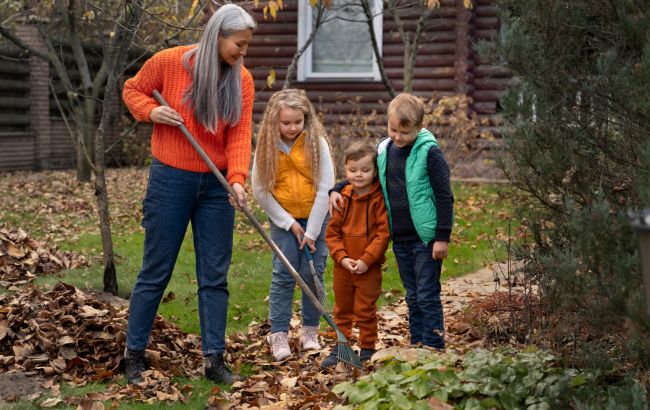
(66, 335)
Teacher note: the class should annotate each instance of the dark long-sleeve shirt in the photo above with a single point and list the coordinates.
(439, 177)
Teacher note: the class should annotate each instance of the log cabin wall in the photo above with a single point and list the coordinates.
(446, 62)
(16, 137)
(33, 134)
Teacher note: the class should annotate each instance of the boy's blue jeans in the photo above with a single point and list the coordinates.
(420, 275)
(283, 284)
(174, 198)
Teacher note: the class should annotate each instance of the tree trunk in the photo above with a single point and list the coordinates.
(116, 53)
(84, 135)
(101, 191)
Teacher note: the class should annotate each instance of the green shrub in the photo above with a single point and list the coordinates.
(503, 379)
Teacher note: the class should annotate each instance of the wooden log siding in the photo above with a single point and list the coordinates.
(489, 81)
(446, 63)
(33, 135)
(16, 137)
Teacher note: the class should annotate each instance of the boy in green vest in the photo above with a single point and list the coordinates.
(414, 177)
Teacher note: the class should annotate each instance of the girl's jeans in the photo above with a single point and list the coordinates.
(174, 198)
(420, 275)
(283, 284)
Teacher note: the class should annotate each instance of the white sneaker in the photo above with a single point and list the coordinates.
(279, 342)
(310, 338)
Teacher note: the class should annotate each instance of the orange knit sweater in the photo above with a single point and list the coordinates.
(229, 148)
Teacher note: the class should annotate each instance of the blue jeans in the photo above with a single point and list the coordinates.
(174, 198)
(420, 275)
(283, 284)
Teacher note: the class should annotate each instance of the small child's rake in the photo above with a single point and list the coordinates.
(345, 352)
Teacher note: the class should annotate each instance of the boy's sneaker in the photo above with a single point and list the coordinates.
(216, 370)
(279, 342)
(331, 360)
(366, 354)
(134, 364)
(310, 338)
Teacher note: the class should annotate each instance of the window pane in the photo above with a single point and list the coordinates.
(342, 44)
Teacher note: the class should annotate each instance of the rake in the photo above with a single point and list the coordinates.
(320, 289)
(342, 354)
(345, 352)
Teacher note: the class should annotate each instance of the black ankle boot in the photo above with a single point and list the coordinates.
(216, 370)
(134, 364)
(366, 354)
(331, 360)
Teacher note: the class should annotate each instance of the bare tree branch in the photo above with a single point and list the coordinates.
(378, 56)
(294, 61)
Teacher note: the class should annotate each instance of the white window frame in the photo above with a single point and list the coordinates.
(305, 21)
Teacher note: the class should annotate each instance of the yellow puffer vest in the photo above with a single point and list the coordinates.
(294, 186)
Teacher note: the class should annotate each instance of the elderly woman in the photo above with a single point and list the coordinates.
(211, 93)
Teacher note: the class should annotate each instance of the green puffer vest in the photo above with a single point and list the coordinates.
(422, 202)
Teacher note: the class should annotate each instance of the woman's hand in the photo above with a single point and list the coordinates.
(240, 201)
(336, 199)
(165, 115)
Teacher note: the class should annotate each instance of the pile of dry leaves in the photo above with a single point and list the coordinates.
(66, 335)
(22, 258)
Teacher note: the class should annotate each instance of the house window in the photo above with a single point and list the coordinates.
(342, 48)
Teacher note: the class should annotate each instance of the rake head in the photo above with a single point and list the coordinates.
(345, 353)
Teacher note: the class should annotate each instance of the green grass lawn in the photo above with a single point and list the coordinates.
(480, 222)
(482, 216)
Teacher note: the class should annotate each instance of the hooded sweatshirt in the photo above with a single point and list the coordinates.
(360, 230)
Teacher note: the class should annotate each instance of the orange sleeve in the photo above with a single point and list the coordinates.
(377, 247)
(334, 235)
(138, 90)
(239, 139)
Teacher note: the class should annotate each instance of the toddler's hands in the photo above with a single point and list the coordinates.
(348, 264)
(165, 115)
(335, 202)
(298, 232)
(439, 250)
(240, 201)
(360, 267)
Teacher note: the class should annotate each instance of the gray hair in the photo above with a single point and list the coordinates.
(215, 91)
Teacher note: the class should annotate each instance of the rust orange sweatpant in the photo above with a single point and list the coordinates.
(355, 298)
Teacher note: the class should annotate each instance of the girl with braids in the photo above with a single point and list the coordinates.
(292, 174)
(209, 90)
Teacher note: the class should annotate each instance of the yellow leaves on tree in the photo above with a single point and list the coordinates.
(434, 4)
(272, 7)
(270, 79)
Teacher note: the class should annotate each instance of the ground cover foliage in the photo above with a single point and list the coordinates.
(483, 379)
(577, 141)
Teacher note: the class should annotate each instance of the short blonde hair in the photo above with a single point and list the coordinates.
(408, 109)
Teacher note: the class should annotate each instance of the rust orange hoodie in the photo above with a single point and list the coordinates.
(360, 230)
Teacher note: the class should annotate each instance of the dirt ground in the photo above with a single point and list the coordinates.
(18, 385)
